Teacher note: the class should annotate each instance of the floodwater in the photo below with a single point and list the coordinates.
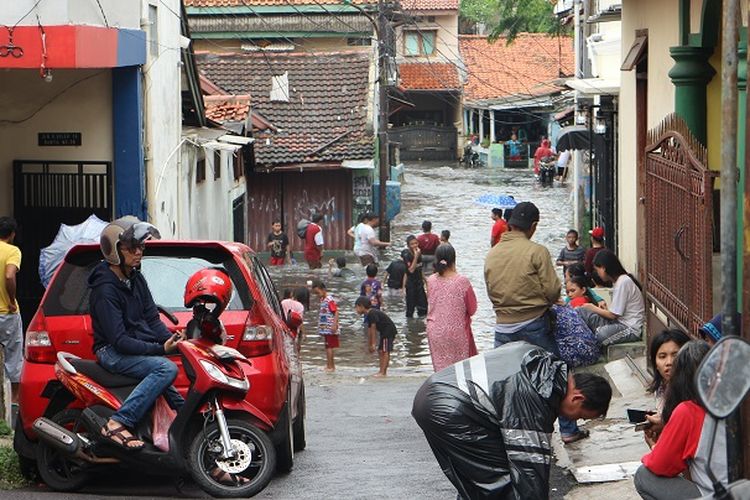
(445, 194)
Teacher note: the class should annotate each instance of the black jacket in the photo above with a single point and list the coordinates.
(125, 318)
(489, 419)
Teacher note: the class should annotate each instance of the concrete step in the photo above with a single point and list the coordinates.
(620, 351)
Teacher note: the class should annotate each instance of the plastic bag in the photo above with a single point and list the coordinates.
(302, 228)
(50, 257)
(488, 420)
(163, 418)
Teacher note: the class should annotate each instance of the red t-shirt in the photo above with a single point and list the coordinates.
(678, 442)
(428, 243)
(588, 261)
(312, 252)
(498, 228)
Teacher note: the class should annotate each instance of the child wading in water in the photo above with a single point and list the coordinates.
(382, 327)
(328, 322)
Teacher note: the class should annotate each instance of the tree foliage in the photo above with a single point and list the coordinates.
(508, 18)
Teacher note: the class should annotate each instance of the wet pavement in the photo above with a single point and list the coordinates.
(445, 194)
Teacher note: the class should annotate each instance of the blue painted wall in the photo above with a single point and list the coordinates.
(127, 117)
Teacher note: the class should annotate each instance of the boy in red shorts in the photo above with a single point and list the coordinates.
(328, 322)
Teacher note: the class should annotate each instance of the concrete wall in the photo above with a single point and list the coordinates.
(661, 19)
(200, 210)
(29, 105)
(119, 13)
(162, 109)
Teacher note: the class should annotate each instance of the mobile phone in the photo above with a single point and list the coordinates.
(638, 416)
(642, 426)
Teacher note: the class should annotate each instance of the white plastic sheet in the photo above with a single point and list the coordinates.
(67, 236)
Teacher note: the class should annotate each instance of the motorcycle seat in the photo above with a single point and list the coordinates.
(98, 374)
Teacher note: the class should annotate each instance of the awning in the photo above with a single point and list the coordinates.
(359, 164)
(635, 53)
(220, 146)
(236, 139)
(573, 137)
(595, 86)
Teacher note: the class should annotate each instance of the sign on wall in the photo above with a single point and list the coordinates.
(59, 138)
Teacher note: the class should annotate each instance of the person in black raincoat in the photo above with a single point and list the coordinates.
(489, 419)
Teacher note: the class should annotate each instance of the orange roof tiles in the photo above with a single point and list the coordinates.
(255, 3)
(429, 76)
(227, 108)
(429, 4)
(528, 66)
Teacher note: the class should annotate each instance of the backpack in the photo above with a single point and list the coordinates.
(302, 228)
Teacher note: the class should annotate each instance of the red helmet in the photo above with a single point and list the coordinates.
(209, 285)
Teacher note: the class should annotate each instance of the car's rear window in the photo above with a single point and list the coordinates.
(166, 270)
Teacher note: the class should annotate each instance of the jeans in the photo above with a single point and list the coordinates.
(608, 331)
(653, 487)
(567, 427)
(157, 374)
(538, 332)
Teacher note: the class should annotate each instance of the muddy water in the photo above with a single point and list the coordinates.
(444, 194)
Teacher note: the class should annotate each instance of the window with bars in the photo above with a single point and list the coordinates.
(217, 164)
(200, 168)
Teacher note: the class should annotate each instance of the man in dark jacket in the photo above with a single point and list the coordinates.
(129, 337)
(489, 419)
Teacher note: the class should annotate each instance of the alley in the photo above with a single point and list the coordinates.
(445, 194)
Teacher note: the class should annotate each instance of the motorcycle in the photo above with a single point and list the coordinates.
(216, 437)
(547, 170)
(471, 158)
(723, 380)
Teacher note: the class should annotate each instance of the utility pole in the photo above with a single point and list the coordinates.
(384, 55)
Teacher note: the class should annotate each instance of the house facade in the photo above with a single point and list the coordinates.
(427, 123)
(513, 89)
(318, 156)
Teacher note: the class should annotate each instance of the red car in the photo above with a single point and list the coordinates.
(253, 321)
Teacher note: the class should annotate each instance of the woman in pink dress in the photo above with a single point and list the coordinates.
(450, 305)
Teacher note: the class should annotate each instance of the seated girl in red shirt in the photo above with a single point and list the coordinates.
(684, 443)
(578, 291)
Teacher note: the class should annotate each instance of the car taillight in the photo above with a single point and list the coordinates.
(38, 344)
(257, 340)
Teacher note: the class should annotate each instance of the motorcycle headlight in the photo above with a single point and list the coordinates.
(215, 373)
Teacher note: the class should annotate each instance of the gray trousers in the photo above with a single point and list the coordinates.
(608, 331)
(653, 487)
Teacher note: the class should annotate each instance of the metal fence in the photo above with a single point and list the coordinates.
(679, 218)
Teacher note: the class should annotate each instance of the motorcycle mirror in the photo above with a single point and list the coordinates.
(723, 378)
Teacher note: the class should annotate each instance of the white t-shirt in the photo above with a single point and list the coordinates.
(627, 302)
(357, 243)
(292, 305)
(365, 234)
(319, 238)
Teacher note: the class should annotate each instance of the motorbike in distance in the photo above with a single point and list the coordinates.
(216, 437)
(547, 170)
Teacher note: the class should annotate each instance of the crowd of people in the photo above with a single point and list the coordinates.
(561, 324)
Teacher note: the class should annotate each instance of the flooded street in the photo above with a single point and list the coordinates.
(446, 195)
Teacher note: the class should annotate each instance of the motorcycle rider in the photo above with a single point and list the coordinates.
(129, 337)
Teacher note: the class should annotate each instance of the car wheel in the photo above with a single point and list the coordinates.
(298, 428)
(285, 448)
(60, 471)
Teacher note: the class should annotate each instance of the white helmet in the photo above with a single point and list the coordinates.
(128, 231)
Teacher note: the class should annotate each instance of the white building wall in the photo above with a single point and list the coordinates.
(162, 109)
(661, 20)
(203, 210)
(119, 13)
(29, 105)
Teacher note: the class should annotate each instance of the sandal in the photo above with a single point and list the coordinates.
(222, 477)
(581, 434)
(121, 439)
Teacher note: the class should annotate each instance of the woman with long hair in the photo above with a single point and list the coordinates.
(450, 304)
(684, 442)
(623, 320)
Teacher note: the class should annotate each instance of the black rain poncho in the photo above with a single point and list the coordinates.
(489, 419)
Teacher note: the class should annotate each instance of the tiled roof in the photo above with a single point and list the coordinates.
(325, 119)
(411, 5)
(429, 76)
(210, 88)
(227, 108)
(255, 3)
(528, 66)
